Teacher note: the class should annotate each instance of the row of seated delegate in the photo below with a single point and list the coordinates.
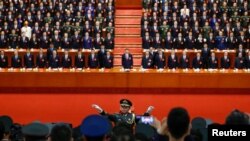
(66, 24)
(189, 24)
(104, 59)
(75, 41)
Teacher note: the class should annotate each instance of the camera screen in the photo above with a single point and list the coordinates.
(147, 119)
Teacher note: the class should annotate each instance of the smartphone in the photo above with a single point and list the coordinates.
(147, 119)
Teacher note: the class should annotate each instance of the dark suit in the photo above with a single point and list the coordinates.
(225, 63)
(101, 55)
(160, 62)
(205, 54)
(56, 42)
(16, 62)
(147, 62)
(41, 61)
(79, 61)
(66, 43)
(44, 43)
(97, 44)
(184, 62)
(3, 42)
(231, 43)
(146, 43)
(247, 62)
(49, 53)
(168, 43)
(157, 43)
(87, 43)
(198, 64)
(213, 64)
(24, 42)
(3, 62)
(54, 62)
(172, 62)
(189, 43)
(66, 62)
(127, 63)
(108, 62)
(93, 62)
(76, 42)
(239, 63)
(28, 61)
(109, 43)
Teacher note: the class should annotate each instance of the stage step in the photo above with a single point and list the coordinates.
(129, 12)
(128, 26)
(128, 41)
(121, 50)
(127, 21)
(126, 46)
(127, 31)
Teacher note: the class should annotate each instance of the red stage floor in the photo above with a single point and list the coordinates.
(73, 108)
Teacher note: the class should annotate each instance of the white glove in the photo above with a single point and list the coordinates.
(150, 109)
(98, 108)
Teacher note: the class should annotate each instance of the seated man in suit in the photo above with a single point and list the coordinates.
(28, 59)
(54, 61)
(108, 60)
(160, 60)
(79, 60)
(109, 41)
(184, 60)
(41, 60)
(172, 60)
(213, 61)
(101, 54)
(241, 50)
(16, 60)
(225, 61)
(247, 60)
(87, 41)
(220, 42)
(127, 60)
(198, 61)
(147, 61)
(50, 51)
(3, 60)
(93, 60)
(66, 60)
(239, 62)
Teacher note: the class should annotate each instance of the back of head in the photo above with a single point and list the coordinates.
(95, 128)
(35, 132)
(178, 122)
(61, 132)
(16, 132)
(122, 132)
(1, 130)
(237, 117)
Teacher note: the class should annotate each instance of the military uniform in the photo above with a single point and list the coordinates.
(127, 119)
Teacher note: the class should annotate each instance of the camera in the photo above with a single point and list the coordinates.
(146, 119)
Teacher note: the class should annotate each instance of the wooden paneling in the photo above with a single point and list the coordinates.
(114, 78)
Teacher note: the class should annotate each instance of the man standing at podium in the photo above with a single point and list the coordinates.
(127, 60)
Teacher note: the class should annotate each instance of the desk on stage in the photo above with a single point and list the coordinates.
(116, 80)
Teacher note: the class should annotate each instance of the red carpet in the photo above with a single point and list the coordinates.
(73, 108)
